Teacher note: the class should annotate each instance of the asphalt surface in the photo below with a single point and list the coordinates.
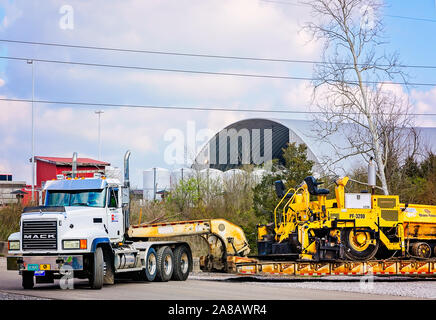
(203, 286)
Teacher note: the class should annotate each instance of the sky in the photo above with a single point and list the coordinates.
(252, 28)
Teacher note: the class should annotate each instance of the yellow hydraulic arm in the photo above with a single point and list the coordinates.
(223, 237)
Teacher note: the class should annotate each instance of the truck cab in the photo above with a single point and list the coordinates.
(82, 230)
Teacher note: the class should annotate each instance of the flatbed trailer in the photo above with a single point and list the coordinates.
(237, 262)
(392, 267)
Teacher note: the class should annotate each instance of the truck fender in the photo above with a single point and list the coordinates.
(98, 241)
(15, 236)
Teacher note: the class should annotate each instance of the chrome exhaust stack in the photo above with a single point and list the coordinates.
(126, 169)
(126, 193)
(74, 165)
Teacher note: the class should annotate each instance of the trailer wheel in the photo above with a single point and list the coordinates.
(182, 261)
(165, 264)
(97, 271)
(27, 277)
(358, 244)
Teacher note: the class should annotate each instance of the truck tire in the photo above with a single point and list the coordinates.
(182, 263)
(97, 272)
(151, 265)
(109, 274)
(165, 264)
(150, 271)
(27, 277)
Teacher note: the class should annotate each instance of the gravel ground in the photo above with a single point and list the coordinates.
(416, 289)
(2, 263)
(397, 286)
(12, 296)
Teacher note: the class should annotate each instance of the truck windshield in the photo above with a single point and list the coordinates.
(90, 198)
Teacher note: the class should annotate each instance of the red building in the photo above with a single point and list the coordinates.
(47, 168)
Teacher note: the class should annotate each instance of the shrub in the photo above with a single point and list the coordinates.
(9, 220)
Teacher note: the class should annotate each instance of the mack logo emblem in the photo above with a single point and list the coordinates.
(39, 236)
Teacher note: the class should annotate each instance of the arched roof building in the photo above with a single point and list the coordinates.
(253, 141)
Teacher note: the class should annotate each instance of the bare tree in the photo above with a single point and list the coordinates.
(351, 86)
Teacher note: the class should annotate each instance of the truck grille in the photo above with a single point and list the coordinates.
(40, 235)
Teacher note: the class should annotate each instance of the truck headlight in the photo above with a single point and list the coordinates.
(74, 244)
(71, 244)
(14, 245)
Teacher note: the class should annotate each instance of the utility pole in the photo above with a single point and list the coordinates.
(33, 133)
(99, 112)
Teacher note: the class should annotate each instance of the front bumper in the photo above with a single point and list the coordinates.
(45, 263)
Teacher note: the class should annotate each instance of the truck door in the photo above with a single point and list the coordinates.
(115, 216)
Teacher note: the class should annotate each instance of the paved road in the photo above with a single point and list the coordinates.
(199, 288)
(203, 286)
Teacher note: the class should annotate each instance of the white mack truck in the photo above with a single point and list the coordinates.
(82, 229)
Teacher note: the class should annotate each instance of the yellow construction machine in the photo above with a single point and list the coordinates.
(351, 226)
(225, 239)
(347, 234)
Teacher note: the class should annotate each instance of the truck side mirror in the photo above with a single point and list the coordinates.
(125, 196)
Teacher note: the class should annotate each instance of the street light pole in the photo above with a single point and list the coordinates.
(99, 112)
(33, 133)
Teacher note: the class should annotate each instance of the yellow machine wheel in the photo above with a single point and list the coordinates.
(421, 250)
(358, 244)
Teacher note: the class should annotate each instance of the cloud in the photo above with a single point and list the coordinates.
(11, 13)
(223, 27)
(421, 101)
(425, 102)
(300, 95)
(167, 85)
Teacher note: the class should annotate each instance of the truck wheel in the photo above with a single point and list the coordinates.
(97, 276)
(151, 265)
(27, 277)
(150, 270)
(165, 264)
(182, 262)
(109, 268)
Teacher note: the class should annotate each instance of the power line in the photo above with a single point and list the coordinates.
(267, 76)
(410, 18)
(158, 107)
(213, 56)
(285, 2)
(109, 105)
(386, 15)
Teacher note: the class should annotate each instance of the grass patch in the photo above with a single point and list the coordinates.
(9, 221)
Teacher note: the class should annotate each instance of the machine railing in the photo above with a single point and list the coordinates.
(278, 205)
(289, 203)
(285, 210)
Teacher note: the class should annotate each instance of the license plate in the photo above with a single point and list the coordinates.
(33, 267)
(39, 273)
(44, 267)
